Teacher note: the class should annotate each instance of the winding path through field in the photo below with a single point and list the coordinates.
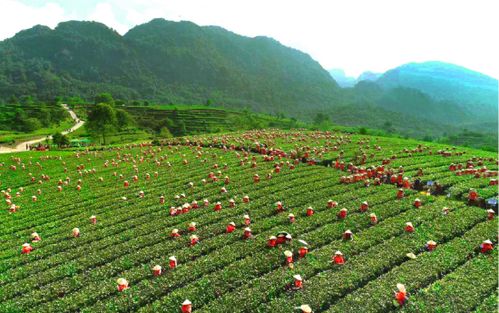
(22, 145)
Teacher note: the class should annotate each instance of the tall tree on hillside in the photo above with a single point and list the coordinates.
(102, 121)
(104, 98)
(123, 119)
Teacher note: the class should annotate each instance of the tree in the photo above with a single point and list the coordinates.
(101, 121)
(104, 98)
(321, 118)
(123, 119)
(60, 140)
(165, 133)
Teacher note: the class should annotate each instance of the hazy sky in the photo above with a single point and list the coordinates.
(354, 35)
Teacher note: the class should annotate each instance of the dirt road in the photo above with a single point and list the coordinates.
(22, 146)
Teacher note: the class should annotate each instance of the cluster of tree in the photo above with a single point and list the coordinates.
(28, 114)
(104, 119)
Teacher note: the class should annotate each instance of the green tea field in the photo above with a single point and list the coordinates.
(257, 221)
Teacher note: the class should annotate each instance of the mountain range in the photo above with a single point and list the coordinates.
(181, 62)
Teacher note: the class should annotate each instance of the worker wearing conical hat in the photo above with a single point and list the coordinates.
(401, 294)
(186, 306)
(486, 246)
(409, 227)
(338, 258)
(122, 284)
(230, 227)
(26, 248)
(35, 237)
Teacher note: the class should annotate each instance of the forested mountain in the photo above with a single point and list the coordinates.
(443, 81)
(169, 62)
(182, 63)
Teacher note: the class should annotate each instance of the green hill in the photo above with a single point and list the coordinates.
(170, 62)
(473, 91)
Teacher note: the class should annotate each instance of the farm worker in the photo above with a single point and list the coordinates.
(408, 227)
(186, 306)
(364, 206)
(156, 270)
(445, 210)
(218, 206)
(26, 248)
(272, 241)
(490, 214)
(141, 194)
(269, 176)
(161, 199)
(338, 258)
(173, 211)
(348, 235)
(331, 204)
(194, 204)
(76, 232)
(33, 198)
(373, 218)
(393, 179)
(35, 237)
(406, 183)
(78, 187)
(231, 227)
(298, 281)
(305, 308)
(232, 203)
(246, 199)
(226, 180)
(13, 208)
(223, 190)
(400, 193)
(401, 294)
(343, 213)
(417, 203)
(206, 202)
(93, 219)
(283, 238)
(310, 211)
(493, 182)
(194, 240)
(420, 172)
(247, 233)
(247, 220)
(303, 250)
(174, 233)
(431, 245)
(172, 262)
(256, 178)
(452, 167)
(291, 217)
(59, 188)
(277, 169)
(289, 257)
(279, 206)
(192, 226)
(148, 176)
(135, 178)
(473, 195)
(126, 183)
(122, 284)
(367, 183)
(486, 246)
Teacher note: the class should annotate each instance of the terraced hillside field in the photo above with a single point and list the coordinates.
(139, 194)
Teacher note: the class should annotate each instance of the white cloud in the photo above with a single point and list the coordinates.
(103, 13)
(15, 16)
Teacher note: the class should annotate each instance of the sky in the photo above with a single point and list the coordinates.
(354, 35)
